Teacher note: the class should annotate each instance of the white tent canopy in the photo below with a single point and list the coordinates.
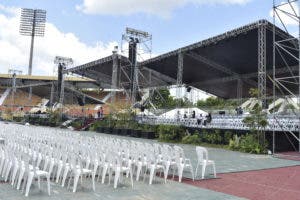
(182, 111)
(146, 113)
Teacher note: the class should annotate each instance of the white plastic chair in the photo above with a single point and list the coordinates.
(203, 160)
(32, 171)
(182, 162)
(153, 166)
(77, 170)
(119, 168)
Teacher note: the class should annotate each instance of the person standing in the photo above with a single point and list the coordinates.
(101, 112)
(98, 113)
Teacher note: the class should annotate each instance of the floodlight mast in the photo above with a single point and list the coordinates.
(32, 24)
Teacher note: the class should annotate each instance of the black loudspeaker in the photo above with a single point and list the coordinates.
(222, 112)
(188, 88)
(80, 101)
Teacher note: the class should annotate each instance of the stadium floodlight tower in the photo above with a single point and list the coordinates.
(139, 42)
(32, 24)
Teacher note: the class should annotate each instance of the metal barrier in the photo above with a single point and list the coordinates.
(232, 122)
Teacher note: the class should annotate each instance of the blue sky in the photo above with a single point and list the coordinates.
(172, 24)
(187, 24)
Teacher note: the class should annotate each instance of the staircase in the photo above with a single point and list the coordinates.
(4, 96)
(86, 125)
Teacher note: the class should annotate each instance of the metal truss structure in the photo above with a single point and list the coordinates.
(139, 43)
(285, 12)
(62, 63)
(262, 54)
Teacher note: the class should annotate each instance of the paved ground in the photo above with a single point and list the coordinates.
(226, 160)
(234, 184)
(141, 191)
(270, 184)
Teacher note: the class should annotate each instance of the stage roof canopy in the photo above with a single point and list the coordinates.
(216, 65)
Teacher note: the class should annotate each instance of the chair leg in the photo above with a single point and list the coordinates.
(203, 170)
(51, 168)
(14, 174)
(20, 178)
(192, 172)
(76, 178)
(7, 171)
(104, 174)
(180, 172)
(117, 175)
(131, 177)
(166, 172)
(46, 164)
(138, 172)
(109, 175)
(151, 175)
(197, 169)
(65, 176)
(29, 181)
(214, 168)
(99, 173)
(93, 181)
(58, 173)
(48, 184)
(39, 182)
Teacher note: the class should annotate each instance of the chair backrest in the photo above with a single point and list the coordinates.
(202, 154)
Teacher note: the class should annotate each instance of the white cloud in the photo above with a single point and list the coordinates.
(286, 8)
(14, 48)
(161, 8)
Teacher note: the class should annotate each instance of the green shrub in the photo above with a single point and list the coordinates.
(212, 137)
(247, 143)
(234, 143)
(227, 137)
(192, 139)
(250, 144)
(76, 124)
(169, 133)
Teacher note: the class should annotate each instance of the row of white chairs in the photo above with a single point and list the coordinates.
(61, 155)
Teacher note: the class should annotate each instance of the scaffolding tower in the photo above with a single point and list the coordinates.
(285, 14)
(139, 48)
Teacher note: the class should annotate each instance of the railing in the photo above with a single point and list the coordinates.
(231, 122)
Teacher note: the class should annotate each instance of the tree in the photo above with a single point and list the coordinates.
(163, 99)
(211, 102)
(257, 119)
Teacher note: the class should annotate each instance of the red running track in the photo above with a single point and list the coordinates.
(269, 184)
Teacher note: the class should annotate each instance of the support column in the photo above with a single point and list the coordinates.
(299, 76)
(61, 85)
(52, 94)
(179, 73)
(114, 80)
(239, 90)
(135, 83)
(262, 64)
(13, 88)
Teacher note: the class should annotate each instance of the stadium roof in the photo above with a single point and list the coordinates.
(41, 86)
(214, 65)
(24, 80)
